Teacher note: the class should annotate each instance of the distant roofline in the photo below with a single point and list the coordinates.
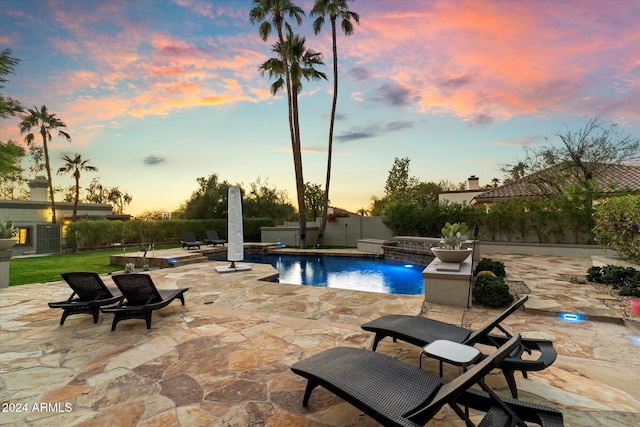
(37, 204)
(479, 190)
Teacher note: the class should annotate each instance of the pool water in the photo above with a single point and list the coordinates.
(362, 274)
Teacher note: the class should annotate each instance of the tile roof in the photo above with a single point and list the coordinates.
(612, 179)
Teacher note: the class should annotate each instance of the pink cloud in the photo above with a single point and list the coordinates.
(482, 61)
(502, 59)
(138, 72)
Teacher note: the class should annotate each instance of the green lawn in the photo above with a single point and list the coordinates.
(48, 268)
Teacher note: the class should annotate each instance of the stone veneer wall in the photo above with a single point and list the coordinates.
(408, 254)
(249, 248)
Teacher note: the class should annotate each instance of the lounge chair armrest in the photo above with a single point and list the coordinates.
(515, 362)
(547, 356)
(73, 294)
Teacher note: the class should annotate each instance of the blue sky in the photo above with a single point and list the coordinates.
(159, 93)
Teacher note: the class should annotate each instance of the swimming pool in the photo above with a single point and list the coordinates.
(362, 274)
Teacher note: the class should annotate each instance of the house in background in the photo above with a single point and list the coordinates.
(32, 219)
(462, 196)
(612, 180)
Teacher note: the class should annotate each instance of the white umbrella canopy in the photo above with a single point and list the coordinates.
(235, 250)
(235, 244)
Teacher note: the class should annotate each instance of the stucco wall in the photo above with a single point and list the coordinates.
(30, 213)
(343, 231)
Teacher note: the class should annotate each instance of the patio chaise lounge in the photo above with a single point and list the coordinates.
(213, 239)
(141, 298)
(421, 331)
(89, 294)
(395, 393)
(189, 240)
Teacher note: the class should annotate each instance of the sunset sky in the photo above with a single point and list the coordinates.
(160, 92)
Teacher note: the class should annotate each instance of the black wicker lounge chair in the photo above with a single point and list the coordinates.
(189, 240)
(213, 239)
(395, 393)
(421, 331)
(89, 294)
(141, 298)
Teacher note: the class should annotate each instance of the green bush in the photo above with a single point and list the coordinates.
(412, 219)
(617, 223)
(86, 234)
(492, 291)
(625, 279)
(496, 267)
(630, 287)
(519, 219)
(594, 274)
(616, 276)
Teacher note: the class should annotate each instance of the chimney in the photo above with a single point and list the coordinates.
(38, 189)
(472, 183)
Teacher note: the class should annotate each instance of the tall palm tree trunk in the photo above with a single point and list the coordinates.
(297, 162)
(75, 201)
(47, 165)
(295, 141)
(325, 207)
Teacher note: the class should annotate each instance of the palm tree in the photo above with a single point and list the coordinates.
(334, 9)
(45, 122)
(301, 62)
(271, 13)
(75, 166)
(8, 107)
(119, 199)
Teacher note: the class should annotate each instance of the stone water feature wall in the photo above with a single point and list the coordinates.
(249, 248)
(410, 249)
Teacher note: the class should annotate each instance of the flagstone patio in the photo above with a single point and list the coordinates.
(223, 359)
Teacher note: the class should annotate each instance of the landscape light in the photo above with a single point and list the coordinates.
(572, 317)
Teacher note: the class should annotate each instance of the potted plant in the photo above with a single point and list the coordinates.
(452, 237)
(7, 235)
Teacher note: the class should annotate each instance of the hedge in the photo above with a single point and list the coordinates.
(86, 234)
(617, 223)
(519, 220)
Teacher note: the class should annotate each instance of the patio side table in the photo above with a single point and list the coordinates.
(451, 352)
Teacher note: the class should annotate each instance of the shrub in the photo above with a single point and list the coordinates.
(496, 267)
(631, 287)
(594, 274)
(616, 276)
(485, 273)
(86, 234)
(492, 292)
(625, 279)
(617, 223)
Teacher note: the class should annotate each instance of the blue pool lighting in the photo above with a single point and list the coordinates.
(362, 274)
(572, 317)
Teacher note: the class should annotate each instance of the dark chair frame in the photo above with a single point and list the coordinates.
(89, 294)
(395, 393)
(141, 298)
(214, 239)
(421, 331)
(189, 240)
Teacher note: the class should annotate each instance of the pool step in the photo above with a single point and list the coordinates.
(161, 259)
(190, 259)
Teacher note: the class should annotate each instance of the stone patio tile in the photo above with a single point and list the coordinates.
(227, 362)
